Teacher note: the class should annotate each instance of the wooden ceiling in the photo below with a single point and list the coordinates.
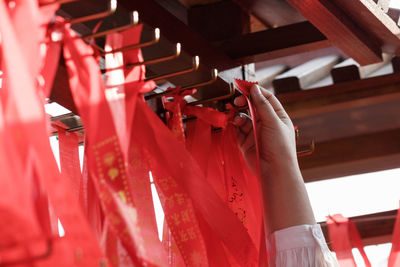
(323, 58)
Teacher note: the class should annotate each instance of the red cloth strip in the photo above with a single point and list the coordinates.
(394, 258)
(344, 235)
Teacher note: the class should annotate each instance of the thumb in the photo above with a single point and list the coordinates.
(265, 111)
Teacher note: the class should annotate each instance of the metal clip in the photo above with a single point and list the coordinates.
(111, 9)
(307, 152)
(134, 18)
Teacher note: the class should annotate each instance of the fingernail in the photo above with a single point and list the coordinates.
(255, 90)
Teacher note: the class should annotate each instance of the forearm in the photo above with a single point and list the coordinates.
(285, 199)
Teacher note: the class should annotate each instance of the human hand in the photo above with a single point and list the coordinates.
(276, 135)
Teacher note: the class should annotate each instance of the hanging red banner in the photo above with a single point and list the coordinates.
(344, 235)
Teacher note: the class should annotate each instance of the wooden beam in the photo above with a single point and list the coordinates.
(374, 21)
(342, 96)
(340, 29)
(297, 59)
(266, 75)
(219, 21)
(394, 14)
(349, 122)
(350, 70)
(304, 75)
(273, 13)
(177, 32)
(352, 155)
(374, 228)
(275, 43)
(384, 5)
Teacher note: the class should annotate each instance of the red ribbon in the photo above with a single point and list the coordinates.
(120, 198)
(394, 257)
(27, 121)
(343, 234)
(173, 160)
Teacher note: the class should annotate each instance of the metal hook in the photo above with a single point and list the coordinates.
(157, 60)
(307, 152)
(232, 91)
(59, 2)
(155, 40)
(111, 9)
(150, 61)
(134, 18)
(195, 66)
(214, 76)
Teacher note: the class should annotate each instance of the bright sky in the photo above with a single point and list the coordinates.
(395, 4)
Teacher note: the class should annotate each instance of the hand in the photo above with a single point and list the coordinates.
(285, 200)
(276, 135)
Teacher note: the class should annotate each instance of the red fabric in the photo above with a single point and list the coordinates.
(394, 258)
(169, 159)
(174, 118)
(244, 87)
(134, 77)
(199, 143)
(215, 250)
(26, 119)
(343, 235)
(105, 156)
(69, 159)
(232, 178)
(139, 173)
(50, 47)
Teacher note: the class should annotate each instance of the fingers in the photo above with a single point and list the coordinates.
(276, 105)
(264, 108)
(240, 101)
(245, 126)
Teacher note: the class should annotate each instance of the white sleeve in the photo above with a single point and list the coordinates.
(299, 246)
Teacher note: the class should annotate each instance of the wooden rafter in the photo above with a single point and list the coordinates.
(352, 155)
(373, 20)
(340, 29)
(275, 43)
(374, 228)
(342, 96)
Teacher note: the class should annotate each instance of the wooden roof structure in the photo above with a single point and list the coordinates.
(332, 63)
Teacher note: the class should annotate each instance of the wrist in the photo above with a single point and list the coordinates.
(281, 172)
